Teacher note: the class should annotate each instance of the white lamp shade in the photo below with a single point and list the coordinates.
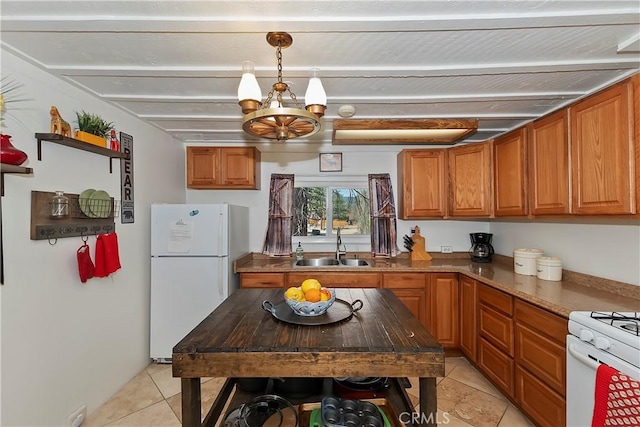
(249, 87)
(315, 94)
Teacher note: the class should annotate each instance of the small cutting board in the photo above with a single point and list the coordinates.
(419, 252)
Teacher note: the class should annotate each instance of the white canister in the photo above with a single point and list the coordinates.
(524, 261)
(549, 268)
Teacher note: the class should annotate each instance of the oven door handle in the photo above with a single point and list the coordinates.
(582, 358)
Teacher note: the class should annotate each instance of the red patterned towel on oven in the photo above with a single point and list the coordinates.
(617, 399)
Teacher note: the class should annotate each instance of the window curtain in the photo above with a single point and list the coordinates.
(277, 241)
(384, 230)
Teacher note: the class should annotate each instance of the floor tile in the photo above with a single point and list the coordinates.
(208, 390)
(469, 404)
(167, 384)
(139, 393)
(514, 418)
(157, 367)
(157, 415)
(467, 374)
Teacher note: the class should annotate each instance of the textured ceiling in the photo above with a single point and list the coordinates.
(177, 64)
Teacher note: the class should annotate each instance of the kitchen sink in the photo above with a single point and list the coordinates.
(354, 262)
(328, 262)
(316, 262)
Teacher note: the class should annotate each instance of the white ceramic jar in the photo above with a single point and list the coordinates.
(524, 261)
(549, 268)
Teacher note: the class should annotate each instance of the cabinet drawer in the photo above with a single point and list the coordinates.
(404, 280)
(549, 324)
(543, 405)
(496, 299)
(336, 280)
(496, 365)
(542, 357)
(496, 328)
(262, 280)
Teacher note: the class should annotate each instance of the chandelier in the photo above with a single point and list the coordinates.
(276, 121)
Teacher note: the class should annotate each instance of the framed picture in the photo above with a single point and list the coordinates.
(330, 162)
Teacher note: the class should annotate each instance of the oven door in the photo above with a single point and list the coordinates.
(582, 362)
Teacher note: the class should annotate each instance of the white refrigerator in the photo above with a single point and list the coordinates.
(193, 247)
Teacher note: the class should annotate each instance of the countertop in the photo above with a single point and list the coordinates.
(576, 292)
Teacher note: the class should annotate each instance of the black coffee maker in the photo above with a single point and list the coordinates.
(481, 249)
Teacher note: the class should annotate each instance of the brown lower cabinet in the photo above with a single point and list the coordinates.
(262, 280)
(540, 363)
(468, 324)
(410, 288)
(336, 280)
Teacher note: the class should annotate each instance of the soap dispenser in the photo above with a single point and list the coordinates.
(299, 252)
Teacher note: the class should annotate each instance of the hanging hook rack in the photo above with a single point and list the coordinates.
(43, 227)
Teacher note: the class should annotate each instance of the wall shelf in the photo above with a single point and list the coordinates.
(80, 145)
(5, 168)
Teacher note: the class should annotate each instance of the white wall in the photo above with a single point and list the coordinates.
(64, 343)
(600, 249)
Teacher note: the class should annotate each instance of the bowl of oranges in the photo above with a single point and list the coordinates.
(310, 298)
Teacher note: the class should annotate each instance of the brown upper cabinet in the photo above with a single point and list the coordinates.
(470, 180)
(510, 172)
(223, 168)
(422, 176)
(602, 152)
(548, 163)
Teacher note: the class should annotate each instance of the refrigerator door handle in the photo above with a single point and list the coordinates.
(221, 281)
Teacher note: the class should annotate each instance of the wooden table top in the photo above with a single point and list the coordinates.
(241, 339)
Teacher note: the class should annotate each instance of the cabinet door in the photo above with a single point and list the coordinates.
(542, 404)
(601, 153)
(239, 167)
(468, 330)
(442, 295)
(415, 301)
(203, 167)
(510, 174)
(496, 365)
(470, 178)
(411, 289)
(262, 280)
(548, 159)
(421, 174)
(336, 280)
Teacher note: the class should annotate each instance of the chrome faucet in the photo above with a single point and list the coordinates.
(341, 250)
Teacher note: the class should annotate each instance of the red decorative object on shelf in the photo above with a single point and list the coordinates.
(9, 154)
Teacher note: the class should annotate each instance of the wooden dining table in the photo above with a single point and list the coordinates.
(241, 339)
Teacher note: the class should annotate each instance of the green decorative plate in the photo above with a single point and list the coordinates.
(83, 201)
(100, 204)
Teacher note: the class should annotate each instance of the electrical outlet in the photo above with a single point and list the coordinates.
(77, 418)
(446, 249)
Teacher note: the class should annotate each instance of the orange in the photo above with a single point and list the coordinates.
(312, 295)
(323, 297)
(326, 293)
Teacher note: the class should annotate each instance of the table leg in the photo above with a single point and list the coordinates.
(191, 413)
(428, 402)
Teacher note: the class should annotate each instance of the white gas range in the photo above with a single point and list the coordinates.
(596, 337)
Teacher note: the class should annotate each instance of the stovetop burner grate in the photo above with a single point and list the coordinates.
(630, 321)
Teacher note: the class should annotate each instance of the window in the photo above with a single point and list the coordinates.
(320, 210)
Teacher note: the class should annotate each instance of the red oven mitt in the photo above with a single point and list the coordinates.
(85, 265)
(107, 255)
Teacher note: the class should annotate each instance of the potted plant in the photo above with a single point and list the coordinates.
(92, 129)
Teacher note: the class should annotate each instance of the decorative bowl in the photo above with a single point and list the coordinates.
(306, 308)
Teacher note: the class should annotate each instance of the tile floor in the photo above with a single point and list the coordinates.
(152, 398)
